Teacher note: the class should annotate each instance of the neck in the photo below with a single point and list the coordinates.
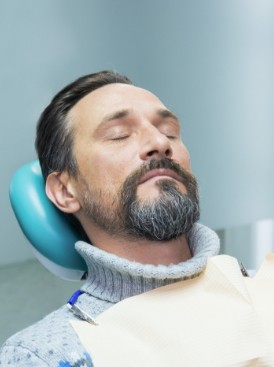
(112, 278)
(141, 250)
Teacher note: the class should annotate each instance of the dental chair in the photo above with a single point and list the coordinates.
(48, 230)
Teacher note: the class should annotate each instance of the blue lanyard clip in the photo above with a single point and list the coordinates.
(78, 312)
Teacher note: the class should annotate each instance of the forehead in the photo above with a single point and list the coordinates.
(106, 100)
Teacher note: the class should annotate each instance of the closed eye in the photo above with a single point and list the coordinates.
(170, 131)
(171, 135)
(120, 138)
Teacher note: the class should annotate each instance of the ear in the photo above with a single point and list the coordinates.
(60, 190)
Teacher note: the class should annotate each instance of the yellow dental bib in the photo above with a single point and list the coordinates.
(219, 319)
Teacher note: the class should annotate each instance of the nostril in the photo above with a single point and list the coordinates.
(152, 153)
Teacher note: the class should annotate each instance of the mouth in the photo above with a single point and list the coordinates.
(161, 172)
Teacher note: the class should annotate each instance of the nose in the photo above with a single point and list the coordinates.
(155, 145)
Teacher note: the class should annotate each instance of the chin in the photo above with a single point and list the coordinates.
(149, 195)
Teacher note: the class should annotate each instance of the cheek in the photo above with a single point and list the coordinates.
(108, 171)
(181, 155)
(187, 162)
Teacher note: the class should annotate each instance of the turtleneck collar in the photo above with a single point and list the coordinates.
(111, 278)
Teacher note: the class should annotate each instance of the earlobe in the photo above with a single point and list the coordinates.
(60, 191)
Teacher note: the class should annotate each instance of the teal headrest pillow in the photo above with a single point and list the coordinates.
(48, 229)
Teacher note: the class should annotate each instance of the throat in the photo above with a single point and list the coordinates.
(161, 253)
(147, 252)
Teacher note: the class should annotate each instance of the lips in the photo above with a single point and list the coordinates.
(159, 173)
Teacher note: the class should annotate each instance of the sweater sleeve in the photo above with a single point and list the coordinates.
(20, 357)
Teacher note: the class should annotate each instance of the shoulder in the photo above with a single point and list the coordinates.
(49, 342)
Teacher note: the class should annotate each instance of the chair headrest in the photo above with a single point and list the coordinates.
(47, 228)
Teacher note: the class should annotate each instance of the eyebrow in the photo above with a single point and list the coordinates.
(167, 114)
(164, 113)
(115, 116)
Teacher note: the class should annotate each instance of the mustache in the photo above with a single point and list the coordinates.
(186, 177)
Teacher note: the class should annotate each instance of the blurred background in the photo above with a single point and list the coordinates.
(212, 62)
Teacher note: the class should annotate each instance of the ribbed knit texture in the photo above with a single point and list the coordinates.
(53, 342)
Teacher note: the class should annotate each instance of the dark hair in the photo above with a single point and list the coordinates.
(54, 138)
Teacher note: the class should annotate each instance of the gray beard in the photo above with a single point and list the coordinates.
(169, 216)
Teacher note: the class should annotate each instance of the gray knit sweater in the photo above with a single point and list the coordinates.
(52, 341)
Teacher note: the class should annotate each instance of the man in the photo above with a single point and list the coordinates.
(112, 157)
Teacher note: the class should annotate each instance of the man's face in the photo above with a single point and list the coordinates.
(130, 155)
